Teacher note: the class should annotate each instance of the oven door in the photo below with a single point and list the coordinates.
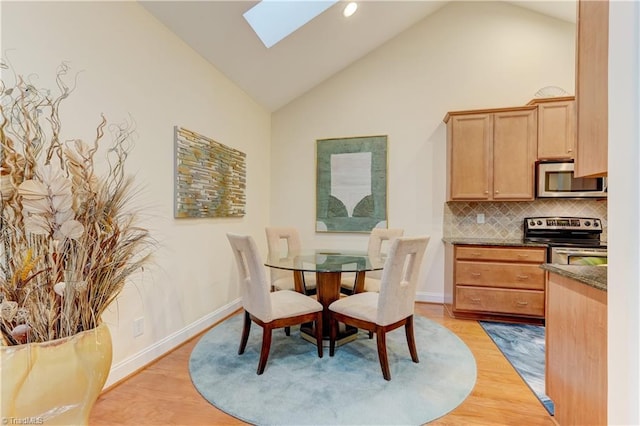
(578, 256)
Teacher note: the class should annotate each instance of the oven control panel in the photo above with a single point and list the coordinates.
(562, 223)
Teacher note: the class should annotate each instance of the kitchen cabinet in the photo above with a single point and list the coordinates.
(491, 154)
(556, 128)
(576, 351)
(592, 61)
(494, 282)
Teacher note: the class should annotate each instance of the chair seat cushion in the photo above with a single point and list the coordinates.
(286, 303)
(363, 306)
(347, 279)
(372, 284)
(286, 283)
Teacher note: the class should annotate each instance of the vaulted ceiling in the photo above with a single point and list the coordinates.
(327, 44)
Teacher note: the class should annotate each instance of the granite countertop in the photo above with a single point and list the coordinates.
(515, 242)
(594, 276)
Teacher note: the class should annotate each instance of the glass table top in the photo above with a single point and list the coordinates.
(325, 261)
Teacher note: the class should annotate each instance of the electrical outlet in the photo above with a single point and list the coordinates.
(138, 327)
(480, 218)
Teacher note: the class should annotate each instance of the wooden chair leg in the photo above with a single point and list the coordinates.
(333, 332)
(266, 346)
(319, 333)
(245, 333)
(411, 341)
(381, 338)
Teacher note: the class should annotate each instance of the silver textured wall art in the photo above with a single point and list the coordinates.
(210, 178)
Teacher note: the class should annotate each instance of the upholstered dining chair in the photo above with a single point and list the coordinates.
(268, 309)
(379, 237)
(389, 309)
(281, 279)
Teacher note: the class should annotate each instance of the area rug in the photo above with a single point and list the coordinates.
(298, 388)
(523, 345)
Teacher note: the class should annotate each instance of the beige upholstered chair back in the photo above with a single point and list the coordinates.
(378, 238)
(400, 279)
(254, 288)
(282, 240)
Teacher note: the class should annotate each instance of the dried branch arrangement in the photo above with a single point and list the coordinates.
(68, 238)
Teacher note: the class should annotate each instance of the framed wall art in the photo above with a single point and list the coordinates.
(210, 178)
(351, 184)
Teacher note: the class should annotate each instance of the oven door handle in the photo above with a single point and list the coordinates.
(581, 252)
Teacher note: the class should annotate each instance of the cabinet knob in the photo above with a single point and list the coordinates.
(569, 150)
(497, 192)
(486, 192)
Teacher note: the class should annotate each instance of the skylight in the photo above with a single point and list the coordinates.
(273, 20)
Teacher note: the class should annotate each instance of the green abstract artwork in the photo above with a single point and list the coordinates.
(351, 184)
(210, 178)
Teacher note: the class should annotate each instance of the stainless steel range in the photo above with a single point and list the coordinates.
(571, 240)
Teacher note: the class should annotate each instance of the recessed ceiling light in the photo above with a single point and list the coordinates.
(350, 9)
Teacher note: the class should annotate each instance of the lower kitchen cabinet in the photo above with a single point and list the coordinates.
(495, 282)
(576, 351)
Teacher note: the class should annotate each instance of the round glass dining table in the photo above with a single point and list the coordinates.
(328, 265)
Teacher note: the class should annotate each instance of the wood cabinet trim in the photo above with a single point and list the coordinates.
(450, 114)
(539, 101)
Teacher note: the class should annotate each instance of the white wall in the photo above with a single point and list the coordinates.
(623, 295)
(465, 56)
(131, 64)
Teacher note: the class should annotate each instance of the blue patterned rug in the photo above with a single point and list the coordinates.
(523, 346)
(298, 388)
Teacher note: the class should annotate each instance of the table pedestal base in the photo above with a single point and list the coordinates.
(345, 335)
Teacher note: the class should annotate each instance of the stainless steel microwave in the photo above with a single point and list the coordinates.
(555, 179)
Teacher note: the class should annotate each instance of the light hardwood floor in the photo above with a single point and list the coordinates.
(162, 393)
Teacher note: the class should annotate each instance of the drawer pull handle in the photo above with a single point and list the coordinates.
(476, 254)
(475, 301)
(475, 274)
(522, 303)
(523, 277)
(523, 255)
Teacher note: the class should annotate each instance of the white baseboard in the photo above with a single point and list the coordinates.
(137, 361)
(429, 297)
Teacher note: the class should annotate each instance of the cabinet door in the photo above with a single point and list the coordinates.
(556, 130)
(592, 88)
(469, 148)
(514, 152)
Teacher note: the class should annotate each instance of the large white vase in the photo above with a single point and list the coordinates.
(54, 382)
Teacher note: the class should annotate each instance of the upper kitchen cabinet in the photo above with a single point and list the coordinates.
(491, 154)
(556, 128)
(592, 88)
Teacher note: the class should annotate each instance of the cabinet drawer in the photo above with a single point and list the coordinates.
(501, 301)
(506, 254)
(495, 274)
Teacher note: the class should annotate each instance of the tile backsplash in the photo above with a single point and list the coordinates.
(505, 219)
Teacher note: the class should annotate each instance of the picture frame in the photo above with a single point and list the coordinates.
(351, 184)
